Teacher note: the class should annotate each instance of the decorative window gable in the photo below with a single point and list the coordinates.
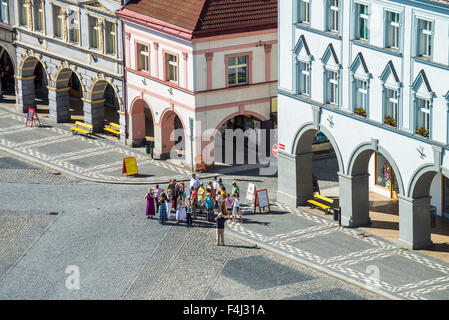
(421, 86)
(389, 76)
(301, 50)
(359, 68)
(330, 59)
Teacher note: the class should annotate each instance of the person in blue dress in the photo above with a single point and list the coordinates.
(162, 216)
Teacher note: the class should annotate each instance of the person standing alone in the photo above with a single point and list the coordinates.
(220, 222)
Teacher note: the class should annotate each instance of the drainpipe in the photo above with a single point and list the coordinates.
(124, 83)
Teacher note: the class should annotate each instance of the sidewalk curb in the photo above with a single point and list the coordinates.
(311, 265)
(226, 171)
(84, 178)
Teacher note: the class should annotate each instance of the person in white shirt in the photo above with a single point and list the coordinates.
(194, 182)
(220, 202)
(236, 209)
(215, 183)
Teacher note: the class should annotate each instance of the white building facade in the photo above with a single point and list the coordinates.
(69, 56)
(371, 76)
(177, 76)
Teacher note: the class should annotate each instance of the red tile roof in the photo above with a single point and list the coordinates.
(210, 17)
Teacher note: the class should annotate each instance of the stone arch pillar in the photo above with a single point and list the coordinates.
(26, 94)
(59, 104)
(94, 113)
(354, 187)
(297, 187)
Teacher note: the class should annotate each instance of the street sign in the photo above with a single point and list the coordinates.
(32, 117)
(250, 192)
(261, 200)
(275, 150)
(130, 166)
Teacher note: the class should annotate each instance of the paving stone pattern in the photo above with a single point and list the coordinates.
(93, 158)
(322, 243)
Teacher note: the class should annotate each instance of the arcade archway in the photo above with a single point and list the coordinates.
(103, 106)
(236, 140)
(33, 86)
(172, 136)
(7, 79)
(142, 123)
(67, 104)
(318, 162)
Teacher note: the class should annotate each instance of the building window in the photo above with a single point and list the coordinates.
(361, 97)
(304, 11)
(333, 15)
(57, 21)
(304, 78)
(94, 33)
(391, 107)
(74, 27)
(422, 117)
(4, 11)
(39, 16)
(172, 67)
(424, 38)
(332, 87)
(111, 38)
(143, 57)
(237, 70)
(23, 19)
(392, 30)
(362, 22)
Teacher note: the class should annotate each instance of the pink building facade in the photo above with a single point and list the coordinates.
(177, 77)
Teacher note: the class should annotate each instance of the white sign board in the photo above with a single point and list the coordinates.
(250, 193)
(262, 196)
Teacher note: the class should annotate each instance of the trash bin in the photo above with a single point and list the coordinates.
(148, 149)
(336, 213)
(433, 217)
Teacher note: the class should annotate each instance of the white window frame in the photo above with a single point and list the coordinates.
(304, 11)
(114, 36)
(392, 101)
(72, 30)
(236, 67)
(334, 16)
(425, 35)
(332, 87)
(426, 110)
(23, 13)
(143, 56)
(393, 28)
(4, 11)
(365, 17)
(57, 19)
(94, 29)
(361, 90)
(39, 12)
(174, 65)
(304, 78)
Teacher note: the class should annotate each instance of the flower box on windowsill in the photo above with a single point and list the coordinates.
(423, 132)
(360, 112)
(391, 121)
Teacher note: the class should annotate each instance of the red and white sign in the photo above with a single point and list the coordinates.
(275, 150)
(282, 146)
(250, 193)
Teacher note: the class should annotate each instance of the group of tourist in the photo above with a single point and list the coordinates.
(198, 198)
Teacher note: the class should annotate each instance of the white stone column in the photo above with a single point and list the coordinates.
(414, 223)
(354, 200)
(294, 179)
